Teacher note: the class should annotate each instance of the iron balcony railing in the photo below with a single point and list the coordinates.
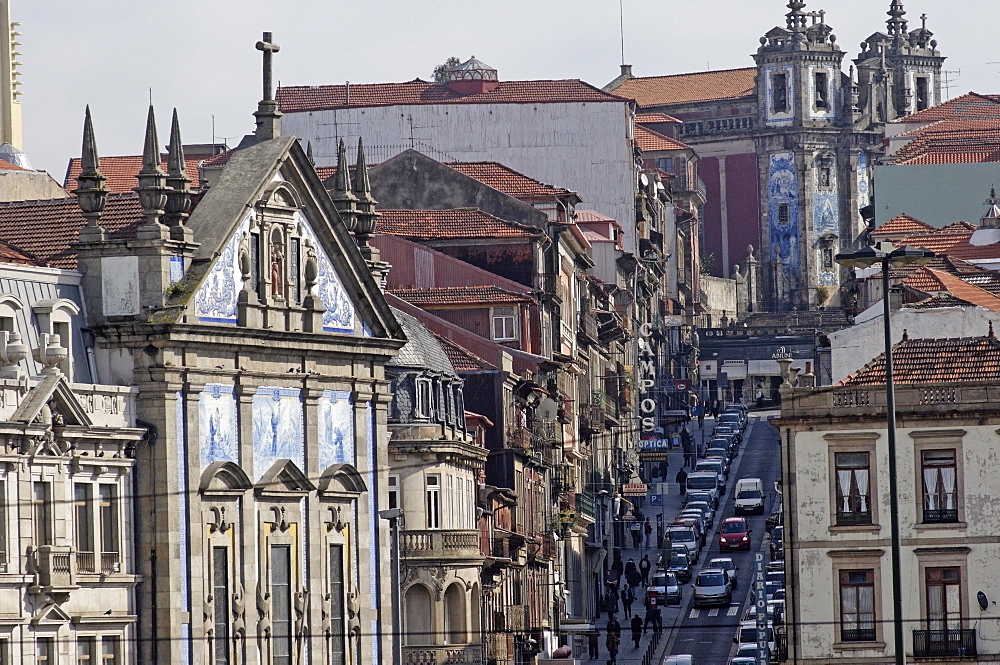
(954, 643)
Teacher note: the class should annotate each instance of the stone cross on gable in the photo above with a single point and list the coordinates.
(923, 21)
(269, 48)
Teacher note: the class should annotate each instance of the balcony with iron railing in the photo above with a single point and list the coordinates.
(439, 544)
(443, 654)
(87, 562)
(586, 505)
(945, 643)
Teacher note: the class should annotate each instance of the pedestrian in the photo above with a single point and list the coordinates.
(651, 610)
(616, 568)
(657, 619)
(701, 418)
(593, 642)
(644, 566)
(614, 627)
(636, 630)
(681, 479)
(663, 469)
(612, 641)
(647, 529)
(628, 595)
(636, 530)
(611, 602)
(659, 528)
(630, 568)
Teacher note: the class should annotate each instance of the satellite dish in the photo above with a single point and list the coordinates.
(643, 179)
(983, 601)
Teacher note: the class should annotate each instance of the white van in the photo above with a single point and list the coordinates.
(749, 496)
(681, 659)
(703, 481)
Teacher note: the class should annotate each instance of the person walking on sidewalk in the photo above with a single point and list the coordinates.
(636, 630)
(628, 595)
(647, 529)
(593, 643)
(681, 479)
(611, 602)
(636, 530)
(612, 641)
(644, 566)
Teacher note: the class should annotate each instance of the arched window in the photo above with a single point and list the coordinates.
(417, 606)
(454, 615)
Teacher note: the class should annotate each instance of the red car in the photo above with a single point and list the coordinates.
(734, 534)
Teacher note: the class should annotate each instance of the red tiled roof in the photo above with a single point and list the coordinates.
(694, 87)
(46, 229)
(121, 172)
(7, 166)
(968, 359)
(650, 141)
(9, 254)
(932, 281)
(219, 160)
(940, 300)
(507, 180)
(461, 358)
(940, 240)
(902, 224)
(459, 295)
(294, 99)
(970, 105)
(960, 141)
(924, 280)
(468, 223)
(655, 118)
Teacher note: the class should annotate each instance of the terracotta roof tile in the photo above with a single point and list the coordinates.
(507, 180)
(7, 166)
(467, 223)
(958, 141)
(293, 99)
(655, 118)
(968, 359)
(941, 300)
(121, 172)
(460, 295)
(924, 280)
(902, 224)
(46, 229)
(650, 141)
(932, 281)
(461, 358)
(10, 254)
(970, 105)
(694, 87)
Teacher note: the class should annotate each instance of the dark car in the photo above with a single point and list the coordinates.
(707, 497)
(733, 430)
(664, 589)
(734, 534)
(773, 520)
(679, 566)
(777, 536)
(727, 443)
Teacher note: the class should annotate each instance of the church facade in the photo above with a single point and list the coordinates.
(787, 147)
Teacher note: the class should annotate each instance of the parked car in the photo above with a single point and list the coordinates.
(726, 564)
(720, 454)
(707, 497)
(727, 443)
(683, 534)
(749, 496)
(731, 418)
(747, 634)
(744, 660)
(703, 481)
(695, 524)
(680, 566)
(664, 589)
(680, 659)
(773, 580)
(706, 510)
(777, 535)
(694, 514)
(712, 587)
(734, 534)
(716, 465)
(733, 430)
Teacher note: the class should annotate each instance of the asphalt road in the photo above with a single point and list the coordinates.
(708, 633)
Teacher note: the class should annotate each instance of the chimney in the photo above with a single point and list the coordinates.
(627, 71)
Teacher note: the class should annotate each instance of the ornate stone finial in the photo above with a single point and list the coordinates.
(50, 353)
(91, 193)
(366, 204)
(343, 198)
(152, 187)
(795, 19)
(896, 23)
(268, 116)
(12, 352)
(992, 201)
(179, 195)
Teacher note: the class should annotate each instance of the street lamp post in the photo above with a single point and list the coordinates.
(885, 255)
(394, 515)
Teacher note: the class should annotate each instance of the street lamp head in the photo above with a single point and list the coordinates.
(869, 256)
(863, 258)
(907, 255)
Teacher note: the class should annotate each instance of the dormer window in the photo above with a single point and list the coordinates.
(423, 398)
(504, 324)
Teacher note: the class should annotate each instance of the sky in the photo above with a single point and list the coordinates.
(199, 55)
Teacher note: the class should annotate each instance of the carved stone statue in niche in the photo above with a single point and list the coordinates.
(354, 617)
(277, 271)
(263, 611)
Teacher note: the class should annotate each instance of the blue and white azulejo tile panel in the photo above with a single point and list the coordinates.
(277, 428)
(339, 310)
(217, 296)
(217, 425)
(336, 429)
(783, 211)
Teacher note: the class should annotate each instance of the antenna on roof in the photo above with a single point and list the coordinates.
(621, 23)
(947, 81)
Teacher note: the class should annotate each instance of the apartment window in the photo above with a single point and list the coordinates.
(110, 650)
(504, 324)
(41, 506)
(83, 504)
(108, 515)
(822, 90)
(423, 405)
(939, 473)
(923, 93)
(432, 490)
(944, 601)
(665, 164)
(393, 485)
(857, 605)
(784, 214)
(281, 599)
(45, 651)
(220, 592)
(853, 497)
(779, 90)
(338, 655)
(86, 651)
